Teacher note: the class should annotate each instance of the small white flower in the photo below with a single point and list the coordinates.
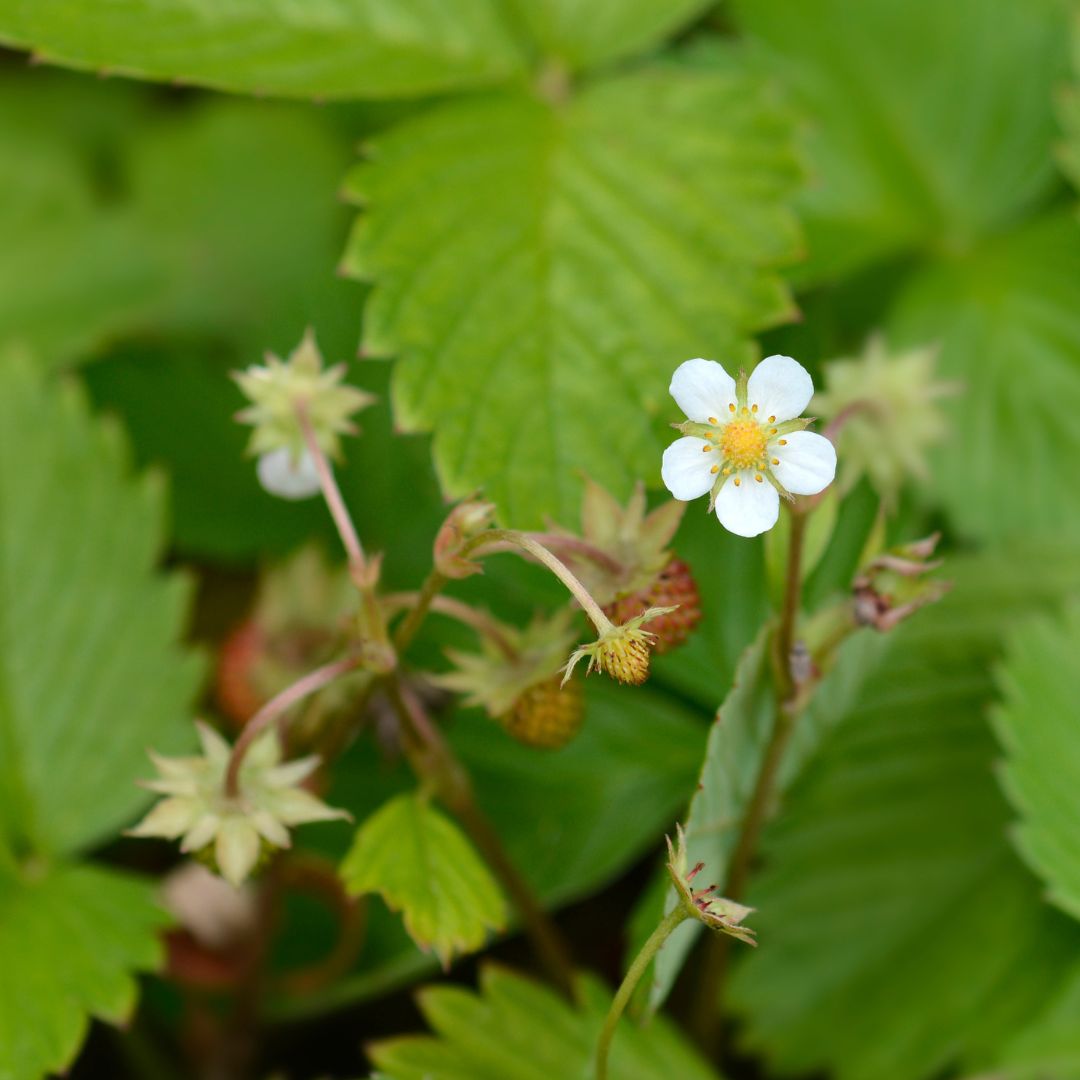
(287, 475)
(743, 442)
(199, 809)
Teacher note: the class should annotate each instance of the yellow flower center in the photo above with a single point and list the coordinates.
(742, 442)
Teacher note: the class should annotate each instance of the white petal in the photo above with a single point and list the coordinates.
(807, 462)
(780, 387)
(287, 477)
(686, 466)
(748, 508)
(702, 388)
(237, 849)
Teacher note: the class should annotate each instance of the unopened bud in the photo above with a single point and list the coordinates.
(466, 520)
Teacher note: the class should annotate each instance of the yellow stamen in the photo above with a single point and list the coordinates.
(776, 461)
(759, 478)
(772, 431)
(736, 481)
(713, 420)
(705, 449)
(783, 442)
(715, 469)
(772, 419)
(754, 409)
(731, 406)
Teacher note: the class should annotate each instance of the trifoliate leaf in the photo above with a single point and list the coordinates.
(90, 673)
(1007, 317)
(929, 124)
(1037, 726)
(334, 48)
(899, 933)
(71, 938)
(736, 748)
(580, 35)
(420, 862)
(516, 1029)
(539, 294)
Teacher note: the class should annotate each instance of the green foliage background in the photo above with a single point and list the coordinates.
(514, 218)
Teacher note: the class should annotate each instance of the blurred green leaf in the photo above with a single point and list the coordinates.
(581, 35)
(516, 1029)
(71, 938)
(1048, 1048)
(420, 862)
(90, 672)
(1037, 727)
(736, 747)
(540, 270)
(899, 933)
(1008, 320)
(333, 48)
(73, 269)
(931, 123)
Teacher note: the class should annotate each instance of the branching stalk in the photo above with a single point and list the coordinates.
(480, 621)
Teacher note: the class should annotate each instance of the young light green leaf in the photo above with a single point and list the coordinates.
(540, 294)
(90, 673)
(889, 871)
(334, 48)
(71, 938)
(733, 757)
(420, 862)
(515, 1029)
(1037, 727)
(582, 35)
(930, 124)
(1006, 468)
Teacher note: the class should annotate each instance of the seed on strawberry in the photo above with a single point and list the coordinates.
(546, 715)
(673, 587)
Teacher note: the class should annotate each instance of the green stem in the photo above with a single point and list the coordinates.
(537, 550)
(432, 759)
(714, 970)
(433, 585)
(485, 625)
(629, 983)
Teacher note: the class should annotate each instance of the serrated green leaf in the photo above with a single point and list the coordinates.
(1008, 320)
(71, 938)
(1036, 724)
(516, 1029)
(733, 756)
(930, 124)
(329, 48)
(581, 35)
(420, 862)
(541, 269)
(900, 935)
(90, 673)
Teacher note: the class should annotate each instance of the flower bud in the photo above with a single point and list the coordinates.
(893, 585)
(465, 521)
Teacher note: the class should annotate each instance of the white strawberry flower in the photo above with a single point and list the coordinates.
(743, 442)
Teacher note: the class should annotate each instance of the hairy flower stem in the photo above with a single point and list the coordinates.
(277, 707)
(555, 541)
(553, 563)
(435, 763)
(629, 983)
(363, 571)
(433, 585)
(706, 1021)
